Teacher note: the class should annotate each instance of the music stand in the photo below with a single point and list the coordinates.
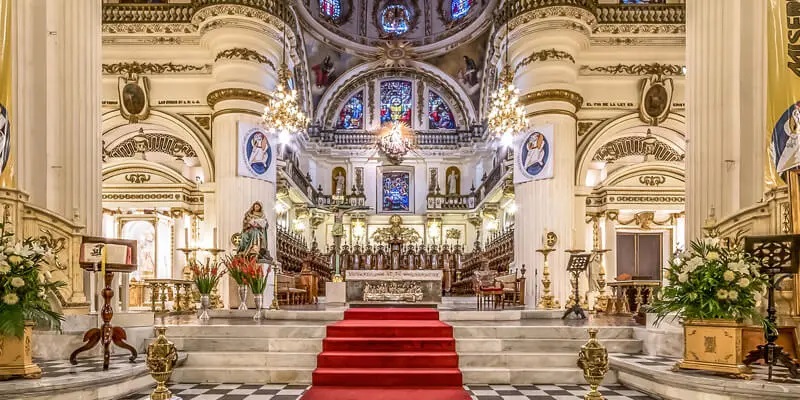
(777, 255)
(578, 262)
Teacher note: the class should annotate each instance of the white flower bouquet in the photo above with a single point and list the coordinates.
(711, 282)
(24, 284)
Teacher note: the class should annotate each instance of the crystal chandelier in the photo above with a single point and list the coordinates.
(506, 116)
(283, 114)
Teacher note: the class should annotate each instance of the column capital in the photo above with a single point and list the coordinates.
(563, 95)
(219, 95)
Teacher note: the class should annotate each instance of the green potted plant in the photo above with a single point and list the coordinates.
(24, 285)
(714, 290)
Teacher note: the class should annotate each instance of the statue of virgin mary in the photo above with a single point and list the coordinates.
(254, 233)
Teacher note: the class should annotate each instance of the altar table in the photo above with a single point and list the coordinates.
(394, 286)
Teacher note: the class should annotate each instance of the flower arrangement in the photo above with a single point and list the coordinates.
(237, 265)
(711, 282)
(256, 278)
(206, 276)
(24, 284)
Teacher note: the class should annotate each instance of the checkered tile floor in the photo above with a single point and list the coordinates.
(479, 392)
(60, 368)
(665, 364)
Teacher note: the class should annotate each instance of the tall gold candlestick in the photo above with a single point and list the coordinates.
(602, 299)
(275, 306)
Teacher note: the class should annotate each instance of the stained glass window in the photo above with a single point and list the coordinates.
(352, 114)
(439, 114)
(395, 19)
(396, 101)
(330, 8)
(460, 8)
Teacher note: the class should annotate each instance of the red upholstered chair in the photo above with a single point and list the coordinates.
(486, 288)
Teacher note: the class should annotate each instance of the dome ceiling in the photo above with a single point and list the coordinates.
(363, 26)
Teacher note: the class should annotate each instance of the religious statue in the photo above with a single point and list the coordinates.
(452, 183)
(254, 233)
(469, 74)
(339, 190)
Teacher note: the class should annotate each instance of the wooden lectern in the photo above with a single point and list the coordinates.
(94, 253)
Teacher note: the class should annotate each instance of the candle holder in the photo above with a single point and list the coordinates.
(602, 299)
(274, 306)
(547, 301)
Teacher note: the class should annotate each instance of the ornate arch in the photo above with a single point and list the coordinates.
(173, 130)
(131, 171)
(366, 74)
(629, 134)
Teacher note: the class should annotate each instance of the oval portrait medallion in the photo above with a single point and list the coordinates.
(258, 152)
(534, 154)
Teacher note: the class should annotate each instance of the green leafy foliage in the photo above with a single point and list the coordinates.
(24, 284)
(711, 282)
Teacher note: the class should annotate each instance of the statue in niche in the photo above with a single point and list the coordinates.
(254, 233)
(339, 184)
(453, 180)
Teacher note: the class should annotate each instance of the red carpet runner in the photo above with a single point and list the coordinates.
(388, 354)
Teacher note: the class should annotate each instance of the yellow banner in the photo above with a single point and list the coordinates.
(7, 170)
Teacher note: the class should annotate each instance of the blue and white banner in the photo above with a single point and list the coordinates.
(257, 155)
(533, 154)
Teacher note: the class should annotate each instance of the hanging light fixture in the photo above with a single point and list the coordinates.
(283, 114)
(506, 116)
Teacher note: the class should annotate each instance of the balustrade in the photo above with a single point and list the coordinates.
(171, 295)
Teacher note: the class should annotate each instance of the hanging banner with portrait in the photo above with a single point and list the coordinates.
(783, 90)
(257, 155)
(533, 154)
(7, 173)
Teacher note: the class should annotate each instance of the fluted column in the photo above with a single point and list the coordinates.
(244, 72)
(725, 60)
(57, 76)
(547, 79)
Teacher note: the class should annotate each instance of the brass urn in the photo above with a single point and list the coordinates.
(161, 359)
(593, 360)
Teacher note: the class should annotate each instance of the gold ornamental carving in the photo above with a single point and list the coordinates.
(652, 180)
(634, 69)
(714, 345)
(637, 146)
(54, 245)
(237, 94)
(241, 53)
(134, 67)
(593, 360)
(552, 95)
(161, 359)
(410, 292)
(545, 55)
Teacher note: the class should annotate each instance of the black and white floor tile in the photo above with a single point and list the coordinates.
(666, 364)
(478, 392)
(61, 368)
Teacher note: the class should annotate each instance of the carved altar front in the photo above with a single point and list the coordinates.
(387, 286)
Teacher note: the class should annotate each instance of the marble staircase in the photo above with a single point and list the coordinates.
(490, 352)
(272, 352)
(517, 353)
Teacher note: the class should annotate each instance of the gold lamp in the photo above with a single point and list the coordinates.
(283, 114)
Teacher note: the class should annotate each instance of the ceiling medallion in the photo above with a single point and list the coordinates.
(396, 140)
(396, 53)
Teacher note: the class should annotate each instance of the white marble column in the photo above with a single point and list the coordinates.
(239, 92)
(725, 60)
(57, 76)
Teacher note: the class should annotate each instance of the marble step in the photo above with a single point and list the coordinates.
(628, 346)
(246, 375)
(517, 360)
(538, 332)
(529, 376)
(228, 344)
(267, 329)
(218, 359)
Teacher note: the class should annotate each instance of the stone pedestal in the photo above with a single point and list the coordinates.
(335, 293)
